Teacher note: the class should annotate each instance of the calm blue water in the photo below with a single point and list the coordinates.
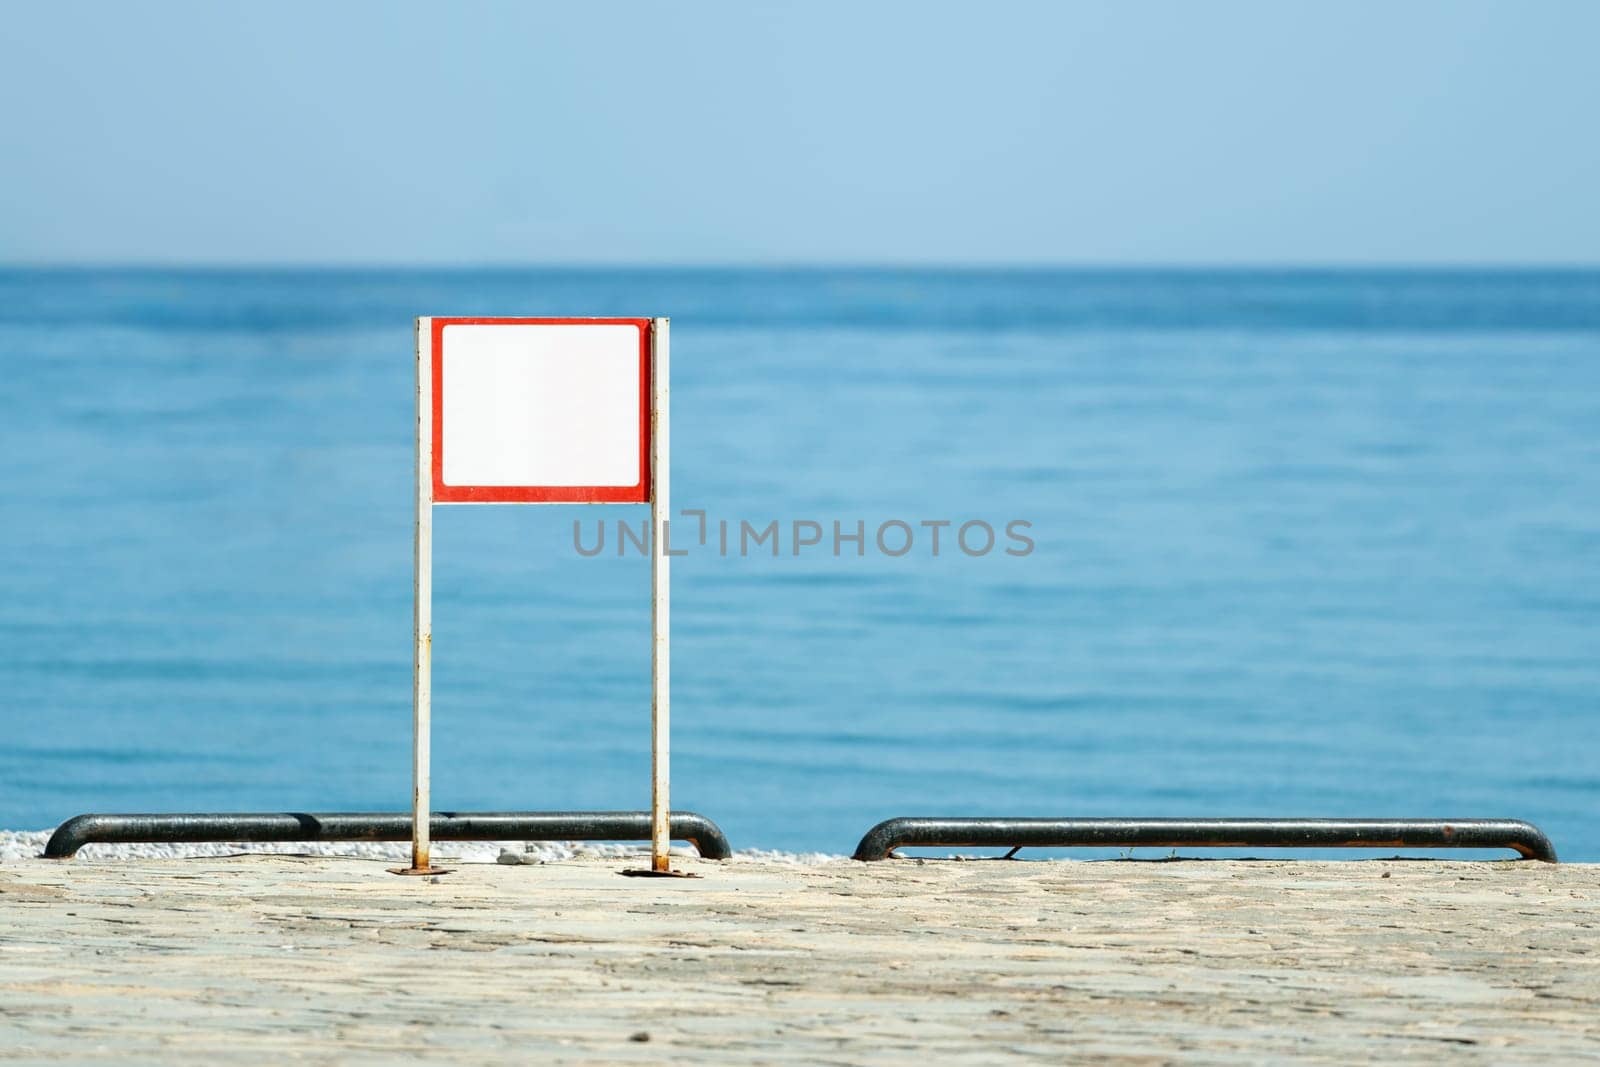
(1308, 543)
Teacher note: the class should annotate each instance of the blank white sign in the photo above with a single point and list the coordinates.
(535, 404)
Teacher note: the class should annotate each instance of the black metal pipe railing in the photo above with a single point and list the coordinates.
(708, 839)
(1525, 838)
(699, 831)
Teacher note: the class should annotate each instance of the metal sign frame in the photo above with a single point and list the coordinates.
(654, 488)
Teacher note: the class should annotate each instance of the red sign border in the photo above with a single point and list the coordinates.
(541, 494)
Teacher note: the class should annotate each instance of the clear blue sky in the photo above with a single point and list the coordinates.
(403, 132)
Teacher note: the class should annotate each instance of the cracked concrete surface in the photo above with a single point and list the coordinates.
(274, 958)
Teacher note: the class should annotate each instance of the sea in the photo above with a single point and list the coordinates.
(1265, 543)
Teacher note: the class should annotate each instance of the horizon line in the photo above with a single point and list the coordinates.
(803, 266)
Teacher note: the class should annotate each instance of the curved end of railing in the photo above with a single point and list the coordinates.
(1530, 841)
(883, 839)
(70, 836)
(706, 836)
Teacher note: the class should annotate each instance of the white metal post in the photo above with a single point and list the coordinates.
(422, 618)
(660, 599)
